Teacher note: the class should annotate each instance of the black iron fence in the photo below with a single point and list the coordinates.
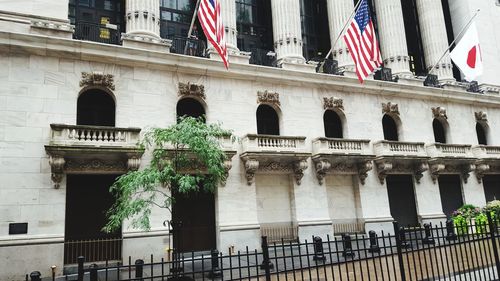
(105, 249)
(188, 46)
(109, 34)
(432, 252)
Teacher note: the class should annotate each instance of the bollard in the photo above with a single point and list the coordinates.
(319, 254)
(139, 269)
(35, 276)
(347, 241)
(402, 238)
(93, 272)
(81, 260)
(428, 240)
(450, 231)
(215, 271)
(374, 247)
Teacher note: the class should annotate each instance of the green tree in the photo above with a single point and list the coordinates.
(183, 157)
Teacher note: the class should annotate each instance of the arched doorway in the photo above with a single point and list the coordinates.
(439, 131)
(267, 121)
(96, 108)
(390, 128)
(333, 125)
(190, 107)
(481, 134)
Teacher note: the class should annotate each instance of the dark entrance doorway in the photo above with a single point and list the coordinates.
(87, 201)
(196, 213)
(450, 190)
(491, 185)
(402, 199)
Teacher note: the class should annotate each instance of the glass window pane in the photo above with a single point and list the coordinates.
(108, 5)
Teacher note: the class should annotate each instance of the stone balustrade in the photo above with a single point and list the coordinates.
(441, 150)
(268, 143)
(398, 148)
(486, 151)
(341, 146)
(93, 136)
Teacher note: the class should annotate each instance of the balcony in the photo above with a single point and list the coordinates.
(191, 47)
(342, 156)
(395, 157)
(266, 153)
(450, 159)
(488, 162)
(108, 34)
(92, 149)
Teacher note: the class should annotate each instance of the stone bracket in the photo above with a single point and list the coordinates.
(323, 166)
(438, 168)
(481, 169)
(383, 167)
(57, 169)
(252, 166)
(386, 166)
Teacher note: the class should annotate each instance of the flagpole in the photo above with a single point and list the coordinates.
(192, 24)
(454, 40)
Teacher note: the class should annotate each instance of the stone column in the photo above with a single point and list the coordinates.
(228, 14)
(338, 13)
(392, 34)
(143, 25)
(434, 38)
(287, 33)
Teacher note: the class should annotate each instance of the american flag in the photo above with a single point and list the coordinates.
(211, 22)
(362, 43)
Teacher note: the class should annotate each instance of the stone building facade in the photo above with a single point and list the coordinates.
(318, 154)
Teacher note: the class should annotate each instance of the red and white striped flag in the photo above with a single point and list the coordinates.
(362, 43)
(211, 22)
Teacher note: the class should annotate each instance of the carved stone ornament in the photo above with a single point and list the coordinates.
(481, 169)
(57, 168)
(228, 164)
(322, 167)
(390, 107)
(464, 170)
(97, 79)
(383, 167)
(193, 90)
(419, 169)
(298, 170)
(85, 165)
(481, 116)
(251, 167)
(435, 170)
(333, 103)
(133, 163)
(439, 112)
(268, 97)
(363, 169)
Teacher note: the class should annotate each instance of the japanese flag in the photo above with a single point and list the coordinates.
(467, 54)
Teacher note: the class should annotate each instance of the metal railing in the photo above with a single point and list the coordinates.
(262, 57)
(277, 232)
(348, 226)
(105, 249)
(97, 33)
(193, 47)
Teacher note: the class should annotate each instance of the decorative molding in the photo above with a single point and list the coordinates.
(275, 166)
(322, 166)
(133, 163)
(52, 25)
(435, 170)
(193, 90)
(419, 169)
(383, 167)
(95, 165)
(481, 169)
(228, 164)
(439, 168)
(333, 103)
(268, 97)
(439, 112)
(57, 169)
(391, 108)
(481, 116)
(363, 169)
(465, 171)
(251, 167)
(298, 170)
(97, 79)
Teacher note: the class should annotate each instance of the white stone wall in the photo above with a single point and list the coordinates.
(41, 8)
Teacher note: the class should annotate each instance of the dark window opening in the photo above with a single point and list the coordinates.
(413, 37)
(255, 30)
(267, 121)
(190, 107)
(333, 124)
(481, 134)
(450, 190)
(96, 108)
(402, 199)
(315, 32)
(449, 33)
(491, 184)
(390, 128)
(439, 132)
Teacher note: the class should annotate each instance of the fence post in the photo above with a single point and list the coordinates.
(428, 240)
(450, 231)
(397, 235)
(93, 272)
(346, 241)
(374, 247)
(215, 271)
(318, 249)
(35, 276)
(492, 227)
(81, 260)
(139, 269)
(267, 265)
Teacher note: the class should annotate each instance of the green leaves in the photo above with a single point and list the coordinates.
(185, 157)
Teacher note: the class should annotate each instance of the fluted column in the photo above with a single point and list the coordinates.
(228, 14)
(338, 14)
(434, 37)
(392, 34)
(143, 25)
(287, 31)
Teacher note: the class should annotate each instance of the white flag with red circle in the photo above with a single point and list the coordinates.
(467, 54)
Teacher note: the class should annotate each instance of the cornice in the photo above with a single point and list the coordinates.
(32, 44)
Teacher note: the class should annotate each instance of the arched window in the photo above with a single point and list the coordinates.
(190, 107)
(439, 132)
(95, 107)
(267, 121)
(390, 128)
(333, 124)
(481, 134)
